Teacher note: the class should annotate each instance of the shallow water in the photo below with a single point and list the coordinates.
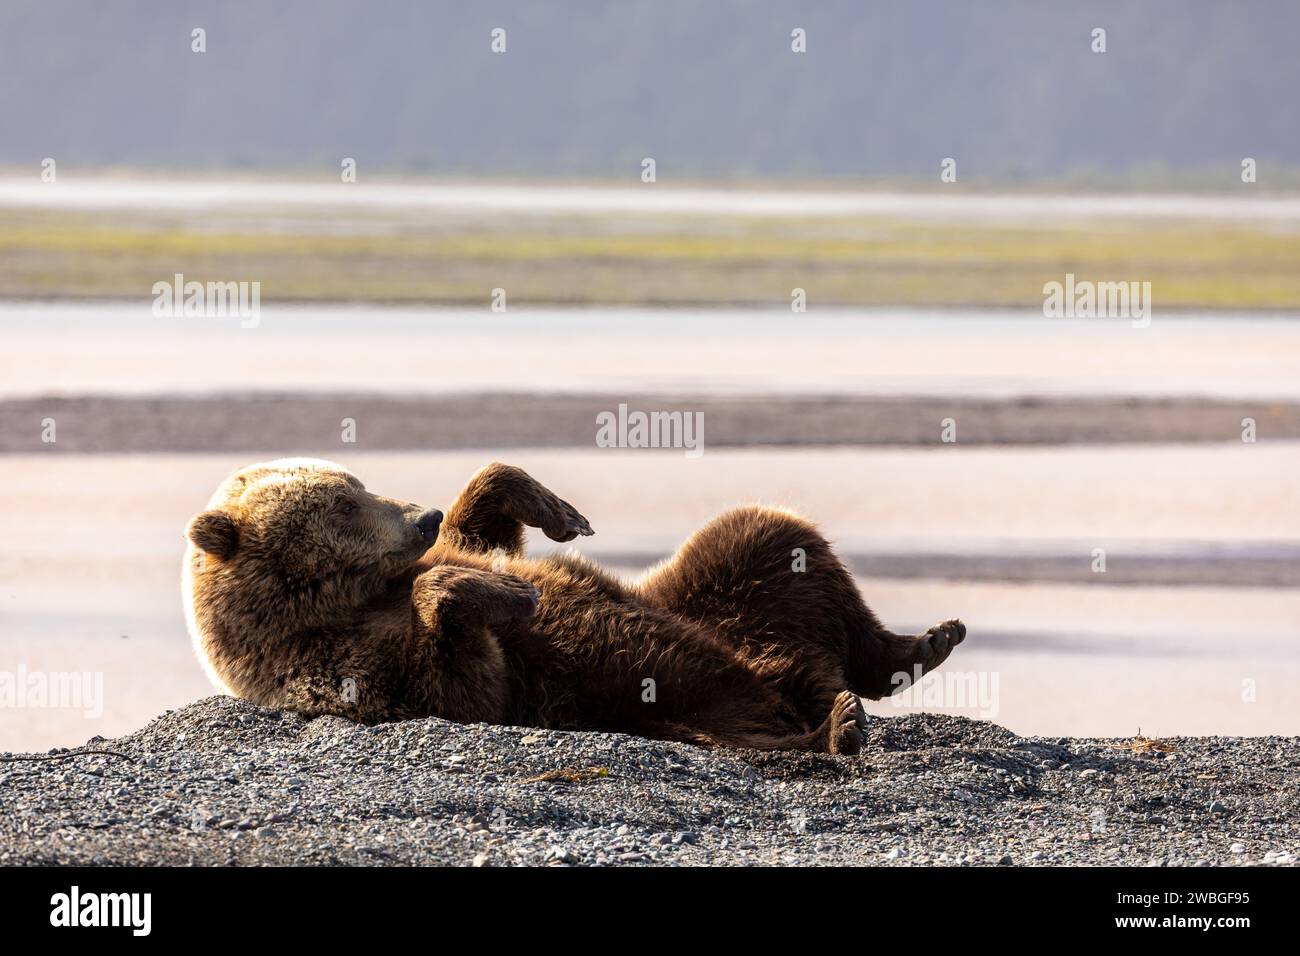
(180, 194)
(123, 348)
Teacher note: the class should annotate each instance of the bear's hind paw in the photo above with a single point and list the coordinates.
(847, 723)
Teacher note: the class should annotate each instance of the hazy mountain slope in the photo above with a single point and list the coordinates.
(705, 88)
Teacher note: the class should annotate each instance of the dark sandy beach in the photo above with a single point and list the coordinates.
(295, 422)
(224, 782)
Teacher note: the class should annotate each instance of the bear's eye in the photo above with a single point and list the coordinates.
(345, 506)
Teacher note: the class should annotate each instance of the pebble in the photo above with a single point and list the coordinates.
(223, 782)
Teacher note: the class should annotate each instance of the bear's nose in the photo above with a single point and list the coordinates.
(428, 524)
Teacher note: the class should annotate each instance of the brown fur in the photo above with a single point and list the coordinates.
(305, 591)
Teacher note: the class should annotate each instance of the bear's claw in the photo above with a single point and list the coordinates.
(568, 524)
(847, 722)
(941, 639)
(526, 600)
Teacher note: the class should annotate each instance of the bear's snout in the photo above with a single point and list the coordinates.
(428, 524)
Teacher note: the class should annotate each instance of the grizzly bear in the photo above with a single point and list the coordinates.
(307, 592)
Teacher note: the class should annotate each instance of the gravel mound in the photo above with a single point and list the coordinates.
(224, 782)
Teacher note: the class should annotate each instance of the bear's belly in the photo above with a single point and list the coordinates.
(591, 662)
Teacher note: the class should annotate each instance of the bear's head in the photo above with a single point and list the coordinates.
(288, 546)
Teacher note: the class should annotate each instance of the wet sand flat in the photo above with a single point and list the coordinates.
(1078, 658)
(867, 500)
(121, 349)
(293, 422)
(1216, 684)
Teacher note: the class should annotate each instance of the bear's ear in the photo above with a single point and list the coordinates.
(214, 532)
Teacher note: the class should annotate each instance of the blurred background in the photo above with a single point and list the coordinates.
(501, 268)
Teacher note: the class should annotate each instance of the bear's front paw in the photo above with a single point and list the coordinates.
(470, 597)
(565, 523)
(519, 597)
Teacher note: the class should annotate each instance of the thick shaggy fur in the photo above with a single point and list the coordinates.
(305, 591)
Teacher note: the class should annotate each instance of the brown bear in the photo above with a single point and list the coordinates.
(305, 591)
